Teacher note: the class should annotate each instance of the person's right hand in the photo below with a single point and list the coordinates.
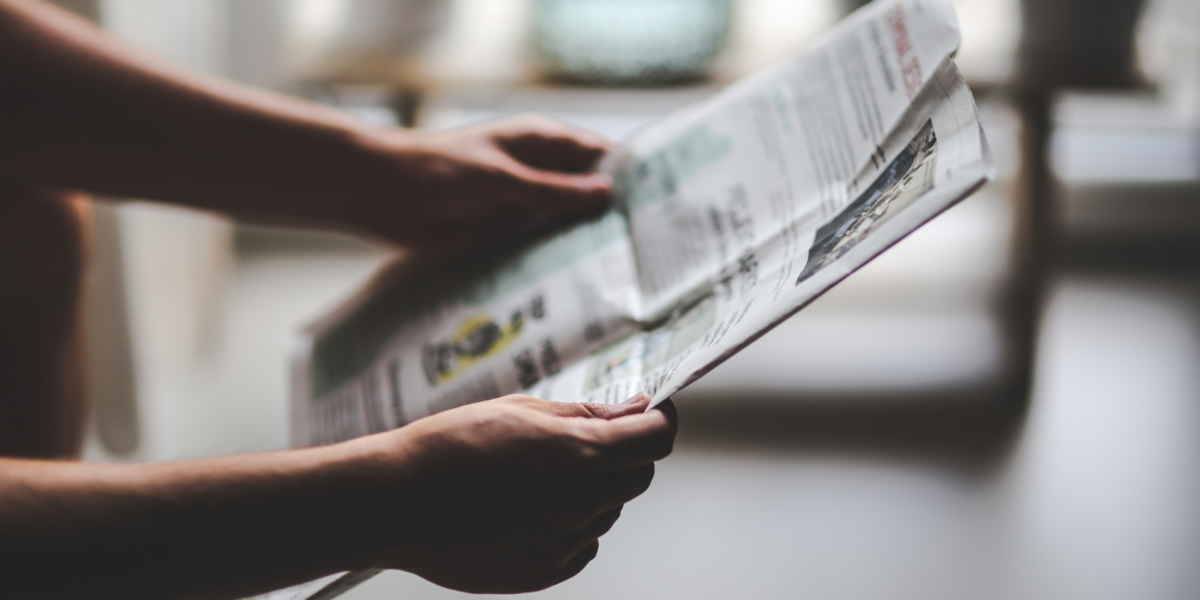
(510, 495)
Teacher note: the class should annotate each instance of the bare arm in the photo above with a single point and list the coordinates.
(503, 496)
(81, 111)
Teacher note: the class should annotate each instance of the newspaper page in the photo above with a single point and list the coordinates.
(744, 209)
(469, 332)
(730, 216)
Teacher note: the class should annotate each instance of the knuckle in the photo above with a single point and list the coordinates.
(585, 450)
(581, 409)
(517, 400)
(534, 120)
(576, 444)
(588, 409)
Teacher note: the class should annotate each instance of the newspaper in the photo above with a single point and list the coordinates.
(730, 216)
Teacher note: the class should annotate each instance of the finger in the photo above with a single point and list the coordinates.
(533, 580)
(553, 548)
(622, 486)
(577, 563)
(555, 192)
(552, 145)
(601, 525)
(563, 153)
(564, 548)
(499, 570)
(635, 405)
(668, 408)
(634, 440)
(575, 543)
(583, 504)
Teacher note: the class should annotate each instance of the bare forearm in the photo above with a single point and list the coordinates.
(220, 528)
(81, 111)
(507, 495)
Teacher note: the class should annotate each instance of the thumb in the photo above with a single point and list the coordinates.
(633, 406)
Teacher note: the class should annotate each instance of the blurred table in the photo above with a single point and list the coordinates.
(487, 43)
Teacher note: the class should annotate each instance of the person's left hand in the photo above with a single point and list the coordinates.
(503, 496)
(458, 188)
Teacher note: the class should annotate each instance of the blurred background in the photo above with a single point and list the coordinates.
(1005, 405)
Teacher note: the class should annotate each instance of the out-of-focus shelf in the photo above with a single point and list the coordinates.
(487, 43)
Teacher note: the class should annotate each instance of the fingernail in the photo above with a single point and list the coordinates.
(638, 397)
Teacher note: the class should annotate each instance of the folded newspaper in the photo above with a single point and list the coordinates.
(729, 217)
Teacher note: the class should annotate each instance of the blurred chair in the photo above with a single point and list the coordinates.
(1127, 160)
(1064, 43)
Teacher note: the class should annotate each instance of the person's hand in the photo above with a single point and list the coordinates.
(510, 495)
(458, 188)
